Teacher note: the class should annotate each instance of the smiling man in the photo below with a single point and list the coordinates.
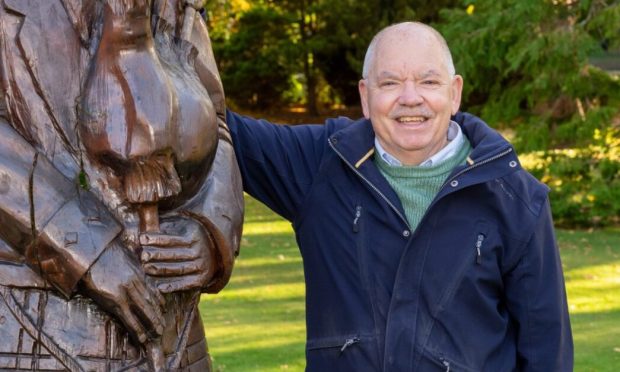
(426, 246)
(409, 101)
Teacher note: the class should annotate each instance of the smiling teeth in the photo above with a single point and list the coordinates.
(411, 119)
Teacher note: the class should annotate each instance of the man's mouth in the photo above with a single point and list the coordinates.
(411, 119)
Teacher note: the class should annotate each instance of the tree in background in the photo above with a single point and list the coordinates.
(347, 28)
(320, 41)
(305, 22)
(270, 44)
(525, 63)
(256, 62)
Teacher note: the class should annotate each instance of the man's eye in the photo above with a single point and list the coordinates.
(430, 82)
(387, 84)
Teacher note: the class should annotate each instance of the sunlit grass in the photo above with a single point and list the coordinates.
(592, 270)
(265, 228)
(594, 288)
(257, 323)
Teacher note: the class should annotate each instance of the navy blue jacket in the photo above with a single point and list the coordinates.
(478, 285)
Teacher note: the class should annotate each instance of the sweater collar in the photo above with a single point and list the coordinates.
(455, 139)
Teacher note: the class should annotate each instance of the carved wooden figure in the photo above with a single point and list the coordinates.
(120, 199)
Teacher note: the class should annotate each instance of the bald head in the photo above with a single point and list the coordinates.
(404, 30)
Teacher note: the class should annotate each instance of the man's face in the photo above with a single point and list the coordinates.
(409, 95)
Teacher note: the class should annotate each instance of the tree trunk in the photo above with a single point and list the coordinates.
(309, 73)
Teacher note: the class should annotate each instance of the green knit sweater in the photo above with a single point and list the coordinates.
(417, 186)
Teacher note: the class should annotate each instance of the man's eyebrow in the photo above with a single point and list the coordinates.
(387, 75)
(429, 73)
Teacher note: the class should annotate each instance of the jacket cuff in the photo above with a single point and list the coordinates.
(71, 241)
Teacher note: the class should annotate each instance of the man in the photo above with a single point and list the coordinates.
(426, 246)
(102, 99)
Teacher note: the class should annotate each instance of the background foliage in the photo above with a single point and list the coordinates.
(527, 65)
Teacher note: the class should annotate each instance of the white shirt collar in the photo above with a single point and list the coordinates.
(455, 141)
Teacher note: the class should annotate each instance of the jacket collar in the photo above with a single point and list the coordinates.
(355, 142)
(355, 145)
(485, 141)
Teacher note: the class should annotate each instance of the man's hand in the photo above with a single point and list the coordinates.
(178, 258)
(117, 283)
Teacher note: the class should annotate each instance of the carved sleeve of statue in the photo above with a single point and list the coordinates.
(120, 198)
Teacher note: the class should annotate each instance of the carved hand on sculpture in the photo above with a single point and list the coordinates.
(180, 257)
(117, 283)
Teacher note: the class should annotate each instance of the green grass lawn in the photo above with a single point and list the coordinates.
(257, 323)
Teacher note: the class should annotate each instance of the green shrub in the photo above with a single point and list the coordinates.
(585, 182)
(526, 66)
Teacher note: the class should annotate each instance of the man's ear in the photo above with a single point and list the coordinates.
(457, 90)
(363, 88)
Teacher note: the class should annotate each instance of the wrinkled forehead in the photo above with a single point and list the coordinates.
(408, 51)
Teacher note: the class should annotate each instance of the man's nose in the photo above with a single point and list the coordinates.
(409, 95)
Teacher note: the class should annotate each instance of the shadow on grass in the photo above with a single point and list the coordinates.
(266, 274)
(267, 259)
(257, 212)
(580, 248)
(251, 313)
(254, 333)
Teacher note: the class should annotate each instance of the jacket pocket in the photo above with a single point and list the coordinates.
(341, 343)
(470, 257)
(481, 232)
(436, 361)
(360, 236)
(355, 353)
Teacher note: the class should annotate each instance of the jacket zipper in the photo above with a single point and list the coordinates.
(446, 364)
(358, 214)
(349, 342)
(370, 184)
(478, 246)
(471, 167)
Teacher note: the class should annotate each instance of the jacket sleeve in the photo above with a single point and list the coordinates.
(59, 229)
(277, 162)
(536, 300)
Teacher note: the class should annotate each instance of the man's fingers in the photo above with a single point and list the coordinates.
(169, 285)
(172, 268)
(164, 240)
(151, 254)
